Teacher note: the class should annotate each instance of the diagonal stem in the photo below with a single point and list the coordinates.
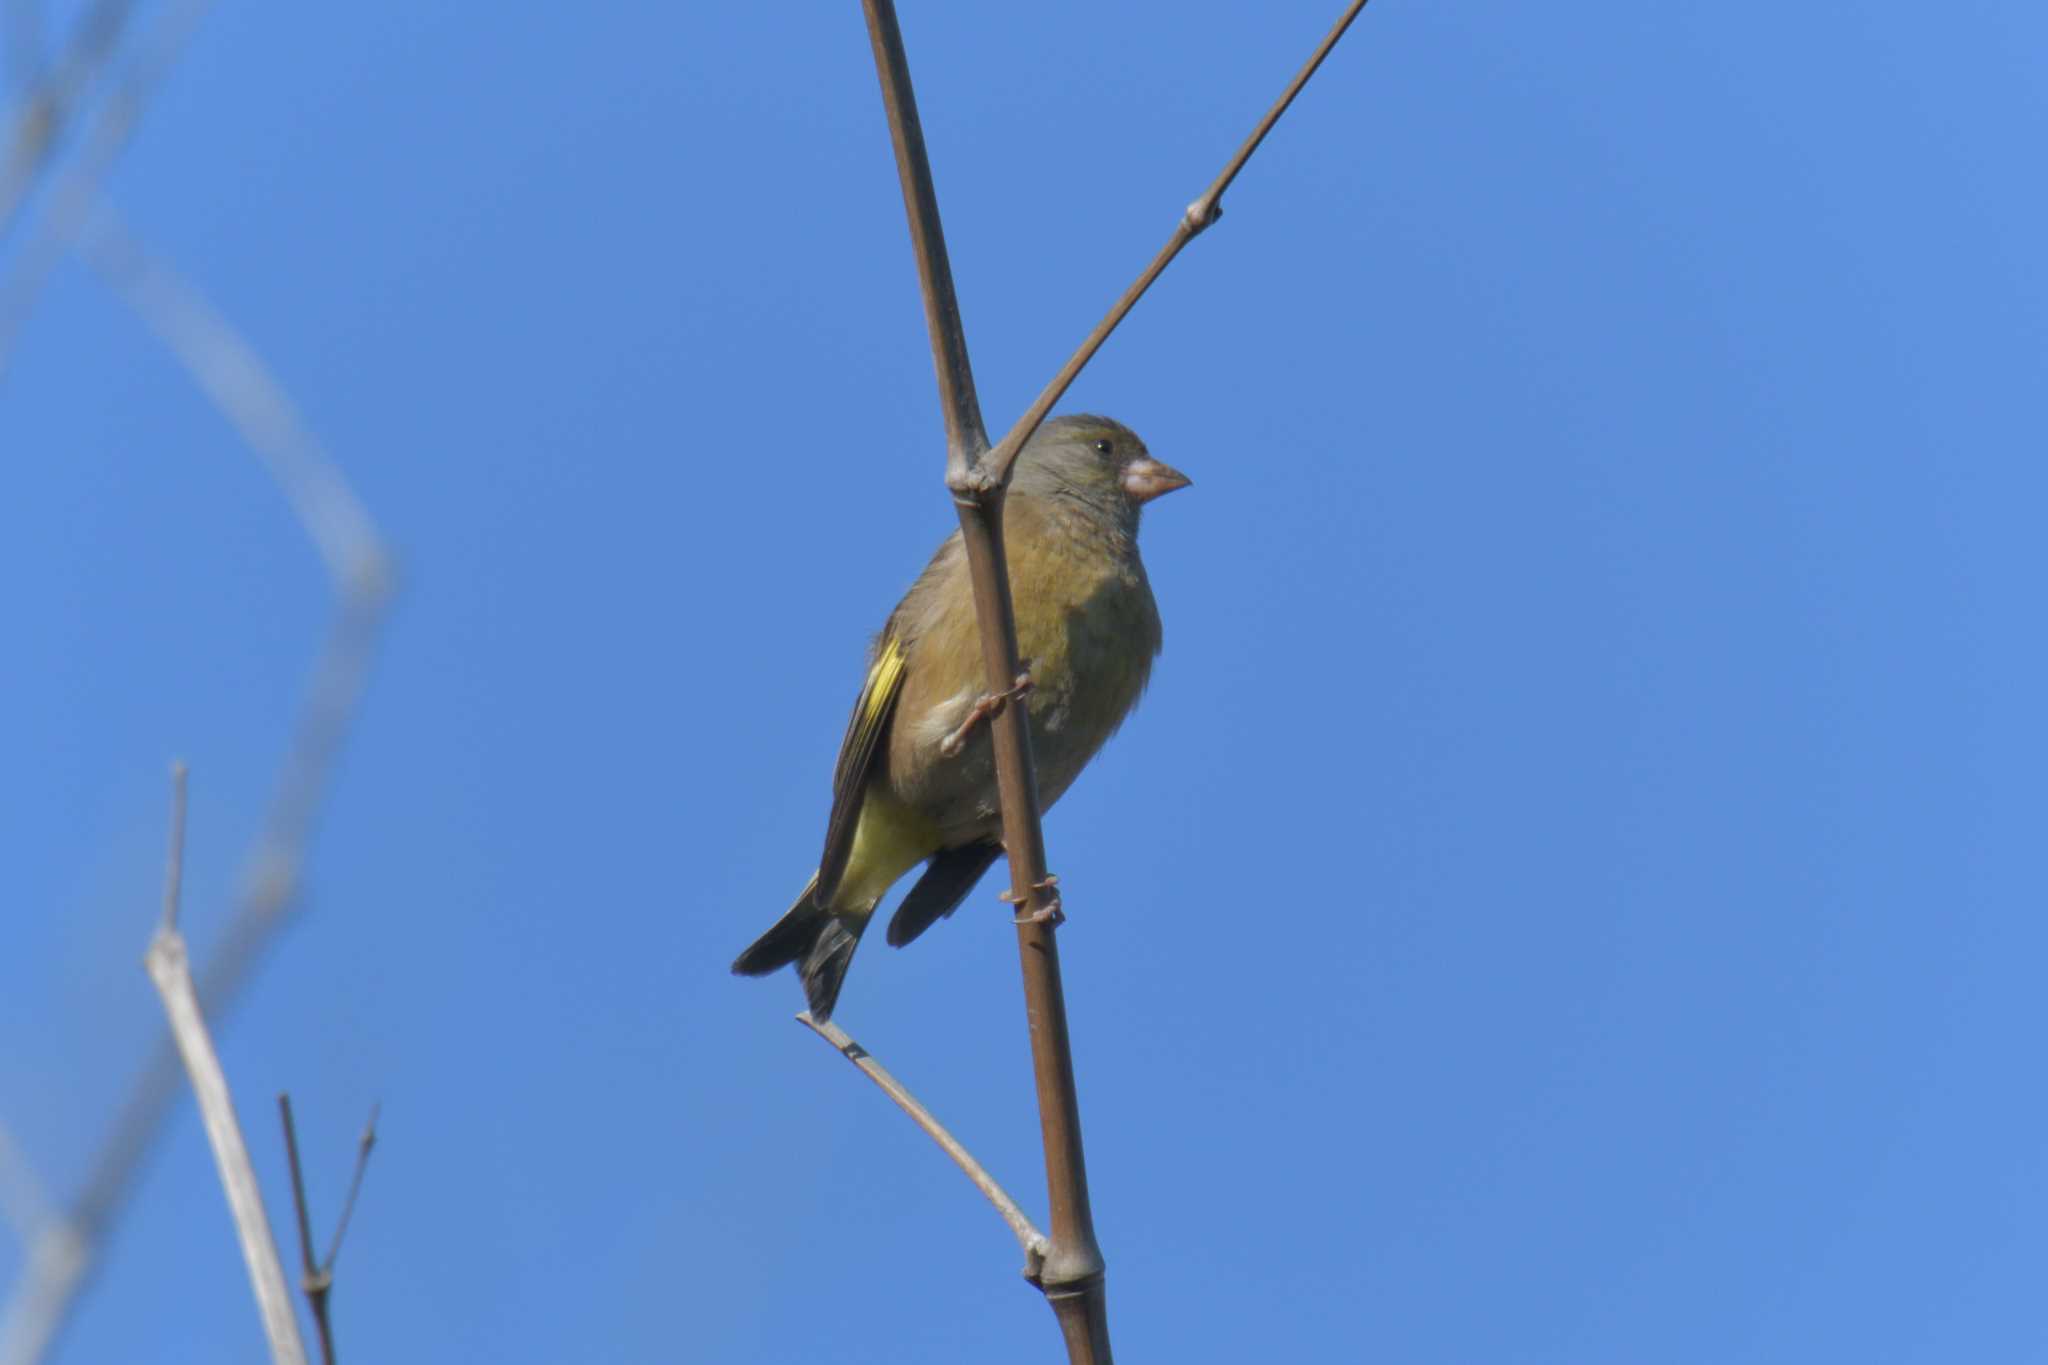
(1027, 1233)
(364, 1146)
(994, 470)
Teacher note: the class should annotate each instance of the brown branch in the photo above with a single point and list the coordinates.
(364, 1146)
(171, 969)
(966, 438)
(1027, 1234)
(1199, 216)
(1072, 1273)
(316, 1280)
(312, 1283)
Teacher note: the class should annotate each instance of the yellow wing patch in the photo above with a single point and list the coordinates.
(858, 752)
(883, 679)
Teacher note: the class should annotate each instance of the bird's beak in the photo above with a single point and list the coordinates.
(1146, 479)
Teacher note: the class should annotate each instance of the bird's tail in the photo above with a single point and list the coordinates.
(818, 941)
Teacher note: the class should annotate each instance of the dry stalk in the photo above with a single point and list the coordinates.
(171, 969)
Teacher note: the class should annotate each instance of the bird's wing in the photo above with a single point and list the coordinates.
(866, 730)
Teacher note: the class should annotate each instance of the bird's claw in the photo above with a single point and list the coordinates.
(1050, 914)
(986, 707)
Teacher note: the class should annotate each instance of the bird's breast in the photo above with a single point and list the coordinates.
(1087, 628)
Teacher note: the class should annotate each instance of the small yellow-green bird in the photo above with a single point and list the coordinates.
(916, 778)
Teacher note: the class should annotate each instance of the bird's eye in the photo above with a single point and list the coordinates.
(1103, 446)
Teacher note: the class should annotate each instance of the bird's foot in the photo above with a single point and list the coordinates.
(1048, 914)
(986, 707)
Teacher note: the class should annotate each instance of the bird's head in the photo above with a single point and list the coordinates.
(1097, 462)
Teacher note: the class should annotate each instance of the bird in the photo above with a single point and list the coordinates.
(915, 781)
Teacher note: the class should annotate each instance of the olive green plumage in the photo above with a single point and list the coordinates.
(1087, 629)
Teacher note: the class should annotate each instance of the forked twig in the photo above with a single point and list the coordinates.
(317, 1278)
(170, 968)
(1027, 1233)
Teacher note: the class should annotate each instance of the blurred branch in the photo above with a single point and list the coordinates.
(233, 376)
(47, 106)
(1072, 1271)
(1027, 1234)
(170, 968)
(59, 1257)
(77, 193)
(228, 370)
(317, 1279)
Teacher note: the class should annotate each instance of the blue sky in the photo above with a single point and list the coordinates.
(1572, 894)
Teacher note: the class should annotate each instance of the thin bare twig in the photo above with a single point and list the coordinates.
(174, 857)
(966, 438)
(364, 1146)
(312, 1283)
(1198, 217)
(170, 968)
(1027, 1234)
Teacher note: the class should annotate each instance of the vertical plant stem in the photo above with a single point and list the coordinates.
(966, 438)
(313, 1281)
(1071, 1275)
